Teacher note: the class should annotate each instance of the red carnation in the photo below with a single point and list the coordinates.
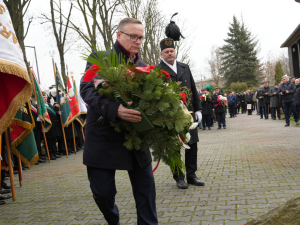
(183, 97)
(91, 73)
(167, 75)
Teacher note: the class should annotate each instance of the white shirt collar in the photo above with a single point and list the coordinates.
(173, 67)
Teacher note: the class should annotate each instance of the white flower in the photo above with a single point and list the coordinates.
(193, 126)
(52, 101)
(188, 137)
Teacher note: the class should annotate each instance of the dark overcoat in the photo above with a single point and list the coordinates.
(207, 106)
(103, 147)
(266, 90)
(184, 75)
(55, 128)
(274, 98)
(260, 100)
(297, 94)
(214, 100)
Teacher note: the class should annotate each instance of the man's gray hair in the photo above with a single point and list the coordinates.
(285, 76)
(125, 21)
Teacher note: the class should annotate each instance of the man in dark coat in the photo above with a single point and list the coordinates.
(266, 91)
(182, 73)
(248, 100)
(206, 105)
(104, 152)
(274, 102)
(287, 91)
(238, 103)
(219, 108)
(231, 102)
(243, 103)
(260, 103)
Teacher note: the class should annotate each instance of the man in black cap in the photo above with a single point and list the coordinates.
(182, 73)
(219, 109)
(274, 102)
(293, 78)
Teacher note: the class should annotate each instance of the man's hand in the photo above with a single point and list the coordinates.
(274, 93)
(129, 115)
(281, 93)
(287, 91)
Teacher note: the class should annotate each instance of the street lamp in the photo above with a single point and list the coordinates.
(35, 61)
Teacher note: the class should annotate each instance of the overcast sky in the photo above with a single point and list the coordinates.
(271, 20)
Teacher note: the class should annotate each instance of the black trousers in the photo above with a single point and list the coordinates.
(206, 120)
(231, 111)
(221, 119)
(274, 110)
(37, 135)
(51, 142)
(190, 163)
(102, 183)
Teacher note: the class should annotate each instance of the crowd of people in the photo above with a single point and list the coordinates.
(282, 99)
(54, 139)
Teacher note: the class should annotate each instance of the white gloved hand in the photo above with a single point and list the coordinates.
(38, 119)
(59, 112)
(198, 116)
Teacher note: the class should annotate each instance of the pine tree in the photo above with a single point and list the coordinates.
(239, 55)
(278, 72)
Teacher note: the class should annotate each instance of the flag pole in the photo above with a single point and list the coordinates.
(57, 100)
(20, 171)
(11, 174)
(72, 121)
(37, 108)
(74, 82)
(0, 158)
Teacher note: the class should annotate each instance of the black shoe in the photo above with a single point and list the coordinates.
(42, 161)
(261, 117)
(297, 123)
(286, 125)
(2, 197)
(57, 156)
(24, 168)
(5, 186)
(69, 153)
(203, 128)
(219, 128)
(279, 118)
(43, 157)
(209, 128)
(52, 157)
(2, 202)
(224, 127)
(37, 163)
(195, 181)
(181, 184)
(5, 191)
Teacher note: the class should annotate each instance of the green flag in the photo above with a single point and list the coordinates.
(22, 138)
(62, 99)
(41, 109)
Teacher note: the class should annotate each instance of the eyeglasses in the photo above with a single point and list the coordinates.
(134, 37)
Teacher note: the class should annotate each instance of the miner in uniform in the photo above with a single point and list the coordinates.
(180, 72)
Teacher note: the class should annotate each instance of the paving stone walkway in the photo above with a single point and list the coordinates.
(249, 168)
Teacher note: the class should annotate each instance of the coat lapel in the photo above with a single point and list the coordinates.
(165, 67)
(180, 71)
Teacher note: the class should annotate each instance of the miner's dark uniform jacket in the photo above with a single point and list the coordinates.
(184, 75)
(104, 153)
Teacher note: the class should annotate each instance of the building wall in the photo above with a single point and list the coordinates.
(202, 83)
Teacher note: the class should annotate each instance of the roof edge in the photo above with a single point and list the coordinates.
(290, 40)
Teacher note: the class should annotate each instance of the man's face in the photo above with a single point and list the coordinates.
(132, 47)
(169, 55)
(297, 81)
(217, 91)
(293, 79)
(284, 80)
(203, 92)
(230, 94)
(266, 85)
(276, 86)
(45, 98)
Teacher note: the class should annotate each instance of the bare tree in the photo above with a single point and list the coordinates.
(269, 68)
(215, 62)
(60, 30)
(17, 10)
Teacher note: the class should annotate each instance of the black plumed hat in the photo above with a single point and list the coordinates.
(173, 31)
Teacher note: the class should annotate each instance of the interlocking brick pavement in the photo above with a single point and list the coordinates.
(249, 168)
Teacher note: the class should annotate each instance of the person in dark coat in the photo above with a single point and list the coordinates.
(266, 91)
(51, 134)
(248, 100)
(104, 152)
(287, 91)
(219, 109)
(182, 73)
(206, 112)
(260, 103)
(274, 102)
(231, 102)
(238, 103)
(297, 95)
(243, 103)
